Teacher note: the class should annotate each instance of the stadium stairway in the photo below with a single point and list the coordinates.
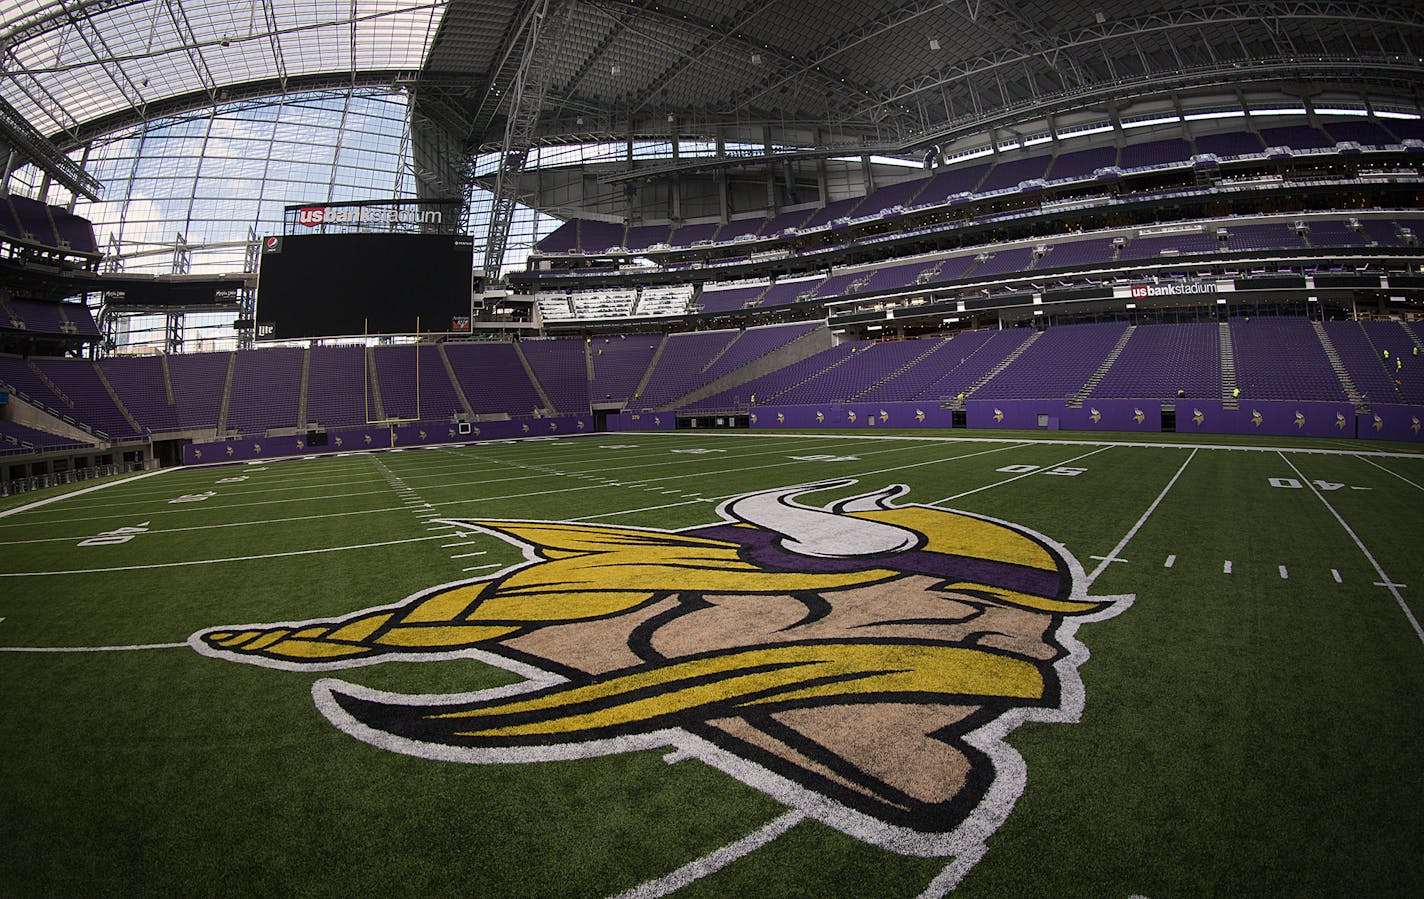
(375, 382)
(53, 388)
(227, 393)
(813, 376)
(648, 374)
(1348, 383)
(454, 381)
(935, 347)
(1228, 367)
(803, 347)
(957, 404)
(168, 380)
(1414, 332)
(533, 378)
(118, 403)
(302, 390)
(1077, 401)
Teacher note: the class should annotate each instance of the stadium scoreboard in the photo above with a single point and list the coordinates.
(365, 268)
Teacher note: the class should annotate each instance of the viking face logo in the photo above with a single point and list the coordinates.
(780, 417)
(850, 415)
(919, 415)
(1340, 421)
(1256, 418)
(1094, 415)
(998, 414)
(1198, 416)
(1138, 415)
(820, 416)
(1413, 423)
(862, 662)
(752, 418)
(1299, 419)
(1378, 423)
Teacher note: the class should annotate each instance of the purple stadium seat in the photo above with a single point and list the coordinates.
(561, 366)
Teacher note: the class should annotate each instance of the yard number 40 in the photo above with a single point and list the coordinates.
(1293, 484)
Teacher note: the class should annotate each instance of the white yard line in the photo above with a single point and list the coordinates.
(298, 552)
(1384, 580)
(91, 648)
(714, 861)
(1390, 471)
(73, 493)
(1381, 454)
(862, 474)
(1027, 474)
(1141, 521)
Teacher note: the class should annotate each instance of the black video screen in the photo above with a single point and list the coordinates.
(329, 285)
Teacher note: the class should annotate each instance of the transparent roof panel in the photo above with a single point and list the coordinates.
(74, 61)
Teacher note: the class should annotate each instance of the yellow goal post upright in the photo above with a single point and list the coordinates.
(368, 360)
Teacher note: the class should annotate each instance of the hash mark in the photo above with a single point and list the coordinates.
(1335, 572)
(468, 555)
(1171, 560)
(1285, 575)
(1226, 568)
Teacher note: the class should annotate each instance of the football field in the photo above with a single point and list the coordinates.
(719, 664)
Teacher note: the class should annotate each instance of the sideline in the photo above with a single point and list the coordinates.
(66, 495)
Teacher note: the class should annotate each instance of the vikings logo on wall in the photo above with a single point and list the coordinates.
(861, 662)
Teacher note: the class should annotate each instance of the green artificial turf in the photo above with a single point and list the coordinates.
(1244, 734)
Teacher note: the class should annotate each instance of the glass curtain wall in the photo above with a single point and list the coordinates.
(182, 195)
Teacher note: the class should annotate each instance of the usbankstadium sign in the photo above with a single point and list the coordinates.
(311, 216)
(374, 216)
(1181, 288)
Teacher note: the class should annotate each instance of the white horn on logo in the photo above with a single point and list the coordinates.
(871, 502)
(822, 533)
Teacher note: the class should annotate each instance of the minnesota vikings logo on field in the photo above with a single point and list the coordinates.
(862, 662)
